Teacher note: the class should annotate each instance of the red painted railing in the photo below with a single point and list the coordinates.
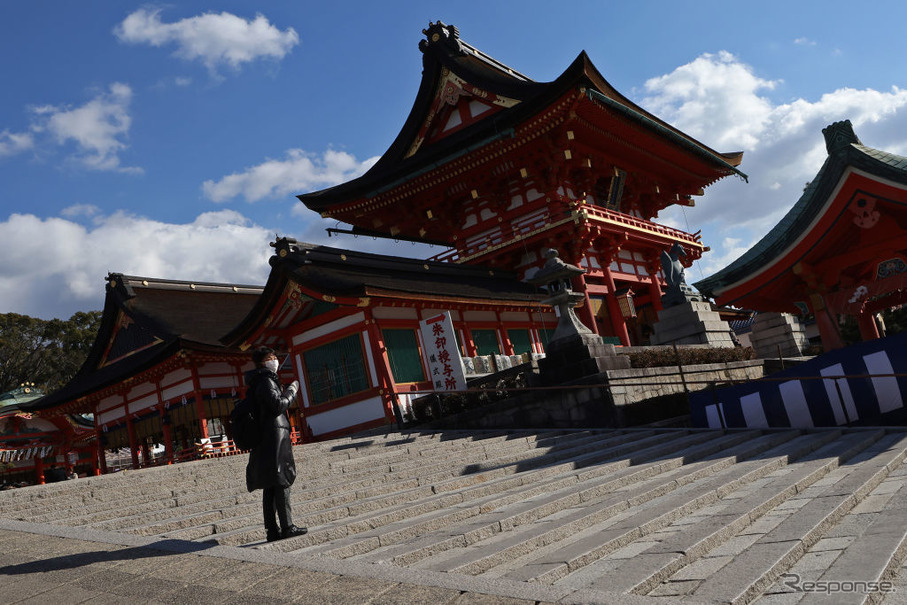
(496, 239)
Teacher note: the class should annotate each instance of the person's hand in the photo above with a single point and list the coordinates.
(292, 389)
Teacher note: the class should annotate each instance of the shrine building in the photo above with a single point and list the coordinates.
(497, 168)
(840, 250)
(350, 325)
(157, 373)
(35, 449)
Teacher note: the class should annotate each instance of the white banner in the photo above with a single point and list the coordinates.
(444, 361)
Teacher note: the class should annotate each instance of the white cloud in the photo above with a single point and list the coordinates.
(298, 173)
(12, 143)
(719, 100)
(803, 41)
(215, 39)
(715, 95)
(98, 128)
(53, 267)
(80, 210)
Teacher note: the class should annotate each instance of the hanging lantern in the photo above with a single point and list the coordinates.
(624, 298)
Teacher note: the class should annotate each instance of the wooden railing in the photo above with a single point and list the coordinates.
(496, 239)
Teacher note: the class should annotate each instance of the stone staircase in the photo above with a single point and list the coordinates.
(700, 515)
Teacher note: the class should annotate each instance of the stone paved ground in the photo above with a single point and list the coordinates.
(603, 516)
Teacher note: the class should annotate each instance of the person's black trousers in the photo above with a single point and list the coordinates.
(276, 501)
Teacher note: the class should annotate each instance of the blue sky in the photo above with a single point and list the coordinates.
(169, 140)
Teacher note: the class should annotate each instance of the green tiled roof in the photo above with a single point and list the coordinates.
(19, 395)
(806, 210)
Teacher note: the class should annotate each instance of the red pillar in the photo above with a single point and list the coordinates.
(655, 285)
(506, 345)
(827, 324)
(39, 470)
(617, 320)
(385, 376)
(133, 442)
(100, 465)
(168, 438)
(869, 329)
(586, 314)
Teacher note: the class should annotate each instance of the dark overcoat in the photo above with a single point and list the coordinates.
(271, 463)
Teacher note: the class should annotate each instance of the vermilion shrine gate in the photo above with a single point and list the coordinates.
(500, 168)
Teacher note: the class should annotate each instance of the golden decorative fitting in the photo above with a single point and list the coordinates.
(567, 154)
(524, 173)
(475, 194)
(570, 135)
(428, 214)
(343, 257)
(328, 298)
(144, 282)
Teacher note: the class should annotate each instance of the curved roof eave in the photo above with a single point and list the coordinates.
(804, 212)
(725, 161)
(85, 384)
(273, 289)
(393, 168)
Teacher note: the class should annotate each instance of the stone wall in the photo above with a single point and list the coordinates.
(638, 384)
(778, 335)
(596, 401)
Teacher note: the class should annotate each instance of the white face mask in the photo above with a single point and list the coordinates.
(272, 364)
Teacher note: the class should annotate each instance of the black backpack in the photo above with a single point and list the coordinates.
(244, 420)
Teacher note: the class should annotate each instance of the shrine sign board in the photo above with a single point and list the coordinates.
(444, 361)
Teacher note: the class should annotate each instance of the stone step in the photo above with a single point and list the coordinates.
(143, 504)
(350, 520)
(868, 546)
(761, 562)
(161, 480)
(654, 515)
(623, 517)
(246, 516)
(526, 506)
(690, 537)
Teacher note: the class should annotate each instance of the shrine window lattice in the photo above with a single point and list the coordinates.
(520, 340)
(336, 369)
(403, 355)
(486, 342)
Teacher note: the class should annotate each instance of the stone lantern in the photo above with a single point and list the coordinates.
(574, 351)
(556, 277)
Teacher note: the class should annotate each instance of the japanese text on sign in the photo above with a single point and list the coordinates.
(444, 360)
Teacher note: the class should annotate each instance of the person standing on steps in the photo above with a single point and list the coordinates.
(271, 467)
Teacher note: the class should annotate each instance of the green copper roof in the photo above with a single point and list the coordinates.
(845, 150)
(19, 395)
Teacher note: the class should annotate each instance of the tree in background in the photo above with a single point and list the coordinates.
(895, 320)
(47, 353)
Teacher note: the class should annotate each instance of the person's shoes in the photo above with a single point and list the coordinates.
(293, 531)
(273, 535)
